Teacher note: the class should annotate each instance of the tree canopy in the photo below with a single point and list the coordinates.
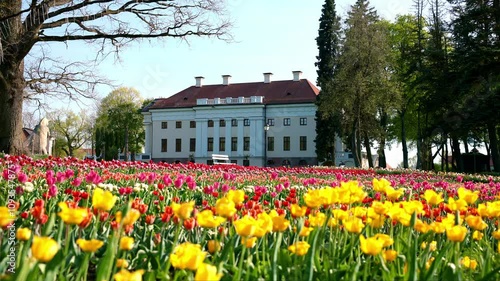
(106, 24)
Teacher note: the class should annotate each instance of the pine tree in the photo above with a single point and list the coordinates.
(361, 80)
(328, 41)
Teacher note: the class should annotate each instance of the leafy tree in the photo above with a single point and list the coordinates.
(476, 33)
(361, 80)
(406, 37)
(328, 41)
(105, 23)
(71, 130)
(120, 123)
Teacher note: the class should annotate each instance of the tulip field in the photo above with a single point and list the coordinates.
(69, 219)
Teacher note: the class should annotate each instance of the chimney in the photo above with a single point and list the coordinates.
(267, 77)
(199, 81)
(296, 75)
(226, 79)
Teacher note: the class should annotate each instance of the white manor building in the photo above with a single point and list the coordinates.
(258, 123)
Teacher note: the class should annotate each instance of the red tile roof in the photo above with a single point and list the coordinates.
(276, 92)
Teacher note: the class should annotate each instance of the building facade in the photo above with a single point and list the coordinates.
(259, 123)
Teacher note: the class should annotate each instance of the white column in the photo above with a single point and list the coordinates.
(201, 138)
(257, 143)
(229, 126)
(240, 136)
(216, 136)
(148, 138)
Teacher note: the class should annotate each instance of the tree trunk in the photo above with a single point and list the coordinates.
(492, 133)
(11, 108)
(456, 154)
(403, 140)
(368, 151)
(466, 146)
(354, 144)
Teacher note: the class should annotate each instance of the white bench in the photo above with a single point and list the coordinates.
(220, 159)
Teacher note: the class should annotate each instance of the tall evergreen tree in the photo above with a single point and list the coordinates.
(360, 80)
(328, 41)
(476, 34)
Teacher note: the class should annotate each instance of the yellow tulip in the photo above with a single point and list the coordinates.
(496, 234)
(225, 207)
(381, 185)
(353, 224)
(72, 215)
(44, 248)
(469, 263)
(469, 196)
(305, 231)
(125, 275)
(298, 211)
(371, 246)
(388, 241)
(454, 205)
(317, 219)
(187, 256)
(456, 233)
(477, 235)
(184, 210)
(6, 216)
(432, 246)
(207, 272)
(213, 246)
(421, 226)
(389, 255)
(280, 223)
(90, 246)
(126, 243)
(264, 225)
(103, 200)
(313, 198)
(476, 222)
(432, 197)
(237, 196)
(23, 234)
(300, 248)
(248, 242)
(207, 219)
(245, 226)
(381, 208)
(129, 219)
(121, 263)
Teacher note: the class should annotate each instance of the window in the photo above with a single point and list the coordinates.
(270, 122)
(270, 143)
(163, 145)
(286, 122)
(222, 123)
(178, 145)
(234, 123)
(210, 144)
(192, 124)
(303, 121)
(164, 125)
(234, 144)
(192, 145)
(178, 124)
(210, 123)
(303, 143)
(246, 122)
(222, 144)
(286, 143)
(246, 143)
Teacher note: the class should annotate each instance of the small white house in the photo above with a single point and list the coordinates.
(257, 123)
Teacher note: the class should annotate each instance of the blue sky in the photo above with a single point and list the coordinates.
(269, 36)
